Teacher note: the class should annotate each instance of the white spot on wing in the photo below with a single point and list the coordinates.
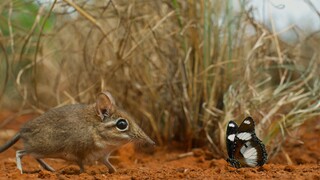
(250, 154)
(244, 136)
(251, 162)
(231, 137)
(243, 149)
(247, 122)
(231, 125)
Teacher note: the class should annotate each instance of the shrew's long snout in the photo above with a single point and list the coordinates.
(150, 141)
(144, 138)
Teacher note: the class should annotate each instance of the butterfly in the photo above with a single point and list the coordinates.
(244, 148)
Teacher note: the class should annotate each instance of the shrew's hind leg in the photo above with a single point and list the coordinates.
(44, 165)
(19, 155)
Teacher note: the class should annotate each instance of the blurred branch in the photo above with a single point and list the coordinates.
(87, 16)
(6, 69)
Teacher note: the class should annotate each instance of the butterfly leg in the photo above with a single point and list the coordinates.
(233, 162)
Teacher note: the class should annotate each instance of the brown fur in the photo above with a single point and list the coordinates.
(78, 133)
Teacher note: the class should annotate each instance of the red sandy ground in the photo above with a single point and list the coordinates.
(163, 163)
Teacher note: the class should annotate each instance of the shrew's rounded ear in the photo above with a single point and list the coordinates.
(104, 104)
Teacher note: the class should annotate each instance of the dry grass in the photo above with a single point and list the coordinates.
(180, 67)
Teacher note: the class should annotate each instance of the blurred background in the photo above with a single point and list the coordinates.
(183, 69)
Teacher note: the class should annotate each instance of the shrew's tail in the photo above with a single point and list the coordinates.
(10, 142)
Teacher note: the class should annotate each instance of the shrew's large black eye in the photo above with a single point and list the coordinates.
(122, 124)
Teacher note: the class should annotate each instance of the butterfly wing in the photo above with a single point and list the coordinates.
(246, 129)
(250, 153)
(232, 130)
(248, 148)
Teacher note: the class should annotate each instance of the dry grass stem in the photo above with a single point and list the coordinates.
(183, 69)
